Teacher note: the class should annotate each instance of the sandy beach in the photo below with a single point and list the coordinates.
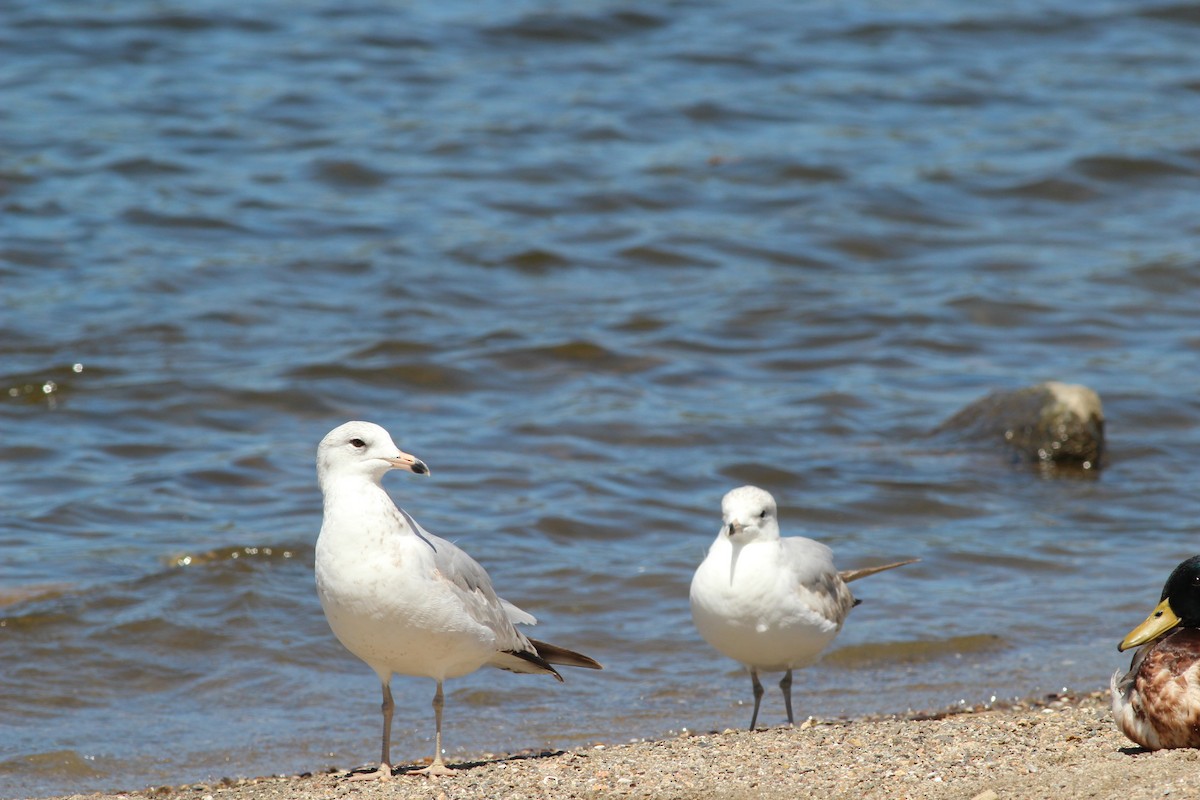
(1053, 748)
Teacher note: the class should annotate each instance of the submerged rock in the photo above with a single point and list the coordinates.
(1052, 423)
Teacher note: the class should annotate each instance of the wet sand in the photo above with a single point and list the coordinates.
(1055, 748)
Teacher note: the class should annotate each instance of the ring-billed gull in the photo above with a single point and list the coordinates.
(402, 599)
(770, 602)
(1157, 702)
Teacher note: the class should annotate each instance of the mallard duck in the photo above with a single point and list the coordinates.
(769, 602)
(1157, 702)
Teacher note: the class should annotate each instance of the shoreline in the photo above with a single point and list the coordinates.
(1059, 746)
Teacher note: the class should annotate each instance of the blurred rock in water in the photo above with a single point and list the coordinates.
(1052, 423)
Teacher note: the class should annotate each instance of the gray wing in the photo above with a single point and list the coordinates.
(518, 616)
(471, 583)
(817, 578)
(467, 578)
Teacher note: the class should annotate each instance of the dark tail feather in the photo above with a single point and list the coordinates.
(527, 662)
(553, 654)
(854, 574)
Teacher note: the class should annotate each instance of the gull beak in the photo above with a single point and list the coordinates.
(403, 460)
(734, 529)
(1161, 620)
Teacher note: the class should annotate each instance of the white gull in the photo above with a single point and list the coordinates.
(401, 599)
(769, 602)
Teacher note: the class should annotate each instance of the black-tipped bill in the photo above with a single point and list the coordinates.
(411, 463)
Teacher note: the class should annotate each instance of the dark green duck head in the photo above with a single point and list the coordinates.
(1180, 605)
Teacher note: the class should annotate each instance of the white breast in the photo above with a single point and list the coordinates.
(384, 598)
(755, 605)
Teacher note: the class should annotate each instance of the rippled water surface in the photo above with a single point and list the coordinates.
(596, 263)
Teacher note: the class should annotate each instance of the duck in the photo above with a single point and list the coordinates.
(1156, 703)
(769, 602)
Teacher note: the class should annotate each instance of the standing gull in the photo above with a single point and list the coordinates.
(402, 599)
(771, 603)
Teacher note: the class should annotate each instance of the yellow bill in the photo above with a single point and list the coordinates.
(1161, 620)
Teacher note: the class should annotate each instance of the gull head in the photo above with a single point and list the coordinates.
(748, 513)
(364, 449)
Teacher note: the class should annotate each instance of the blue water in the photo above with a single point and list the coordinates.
(596, 263)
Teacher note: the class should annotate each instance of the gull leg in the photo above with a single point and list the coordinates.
(385, 760)
(785, 684)
(438, 767)
(758, 694)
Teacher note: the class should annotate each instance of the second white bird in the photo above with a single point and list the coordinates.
(769, 602)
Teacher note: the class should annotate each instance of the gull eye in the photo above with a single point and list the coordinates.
(359, 443)
(762, 514)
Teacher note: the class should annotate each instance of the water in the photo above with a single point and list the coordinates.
(596, 263)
